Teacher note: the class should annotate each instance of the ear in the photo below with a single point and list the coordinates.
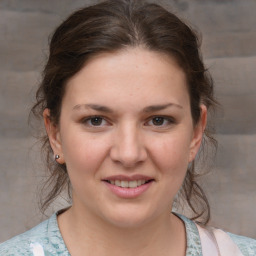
(54, 136)
(198, 133)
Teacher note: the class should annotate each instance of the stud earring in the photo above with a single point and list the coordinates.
(57, 157)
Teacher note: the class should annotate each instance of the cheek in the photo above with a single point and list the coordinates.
(172, 153)
(83, 154)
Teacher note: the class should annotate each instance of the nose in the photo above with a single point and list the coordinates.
(128, 147)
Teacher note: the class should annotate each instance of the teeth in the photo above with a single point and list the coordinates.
(127, 184)
(118, 183)
(124, 184)
(133, 184)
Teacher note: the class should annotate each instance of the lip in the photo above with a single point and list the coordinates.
(128, 193)
(128, 178)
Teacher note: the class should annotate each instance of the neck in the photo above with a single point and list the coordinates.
(84, 232)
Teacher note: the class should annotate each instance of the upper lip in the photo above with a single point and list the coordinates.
(128, 178)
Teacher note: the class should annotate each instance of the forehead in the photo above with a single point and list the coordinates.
(133, 75)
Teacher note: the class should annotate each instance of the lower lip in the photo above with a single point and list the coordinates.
(129, 192)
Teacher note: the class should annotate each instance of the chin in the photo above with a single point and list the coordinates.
(128, 218)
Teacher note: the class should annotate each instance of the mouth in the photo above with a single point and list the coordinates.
(129, 184)
(129, 187)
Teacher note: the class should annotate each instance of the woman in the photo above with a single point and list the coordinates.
(124, 99)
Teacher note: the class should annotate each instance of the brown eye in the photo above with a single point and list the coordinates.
(161, 121)
(158, 121)
(96, 121)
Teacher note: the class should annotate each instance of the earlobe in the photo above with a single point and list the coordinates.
(54, 137)
(198, 133)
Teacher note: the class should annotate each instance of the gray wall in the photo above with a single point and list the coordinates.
(229, 47)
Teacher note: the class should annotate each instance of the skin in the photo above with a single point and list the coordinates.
(125, 141)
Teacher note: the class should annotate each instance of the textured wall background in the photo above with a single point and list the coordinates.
(229, 47)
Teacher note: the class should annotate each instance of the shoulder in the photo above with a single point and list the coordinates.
(246, 245)
(23, 243)
(43, 239)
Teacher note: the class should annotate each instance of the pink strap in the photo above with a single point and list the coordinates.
(216, 242)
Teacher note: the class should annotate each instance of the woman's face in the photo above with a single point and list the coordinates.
(125, 121)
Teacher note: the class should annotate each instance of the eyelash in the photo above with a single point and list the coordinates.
(168, 119)
(90, 118)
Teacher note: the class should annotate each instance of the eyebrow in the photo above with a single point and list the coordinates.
(152, 108)
(94, 107)
(155, 108)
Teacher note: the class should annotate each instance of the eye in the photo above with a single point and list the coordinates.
(160, 121)
(95, 121)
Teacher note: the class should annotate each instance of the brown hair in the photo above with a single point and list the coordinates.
(111, 26)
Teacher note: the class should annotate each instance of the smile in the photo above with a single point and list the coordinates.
(128, 184)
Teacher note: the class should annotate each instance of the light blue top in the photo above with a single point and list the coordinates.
(45, 240)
